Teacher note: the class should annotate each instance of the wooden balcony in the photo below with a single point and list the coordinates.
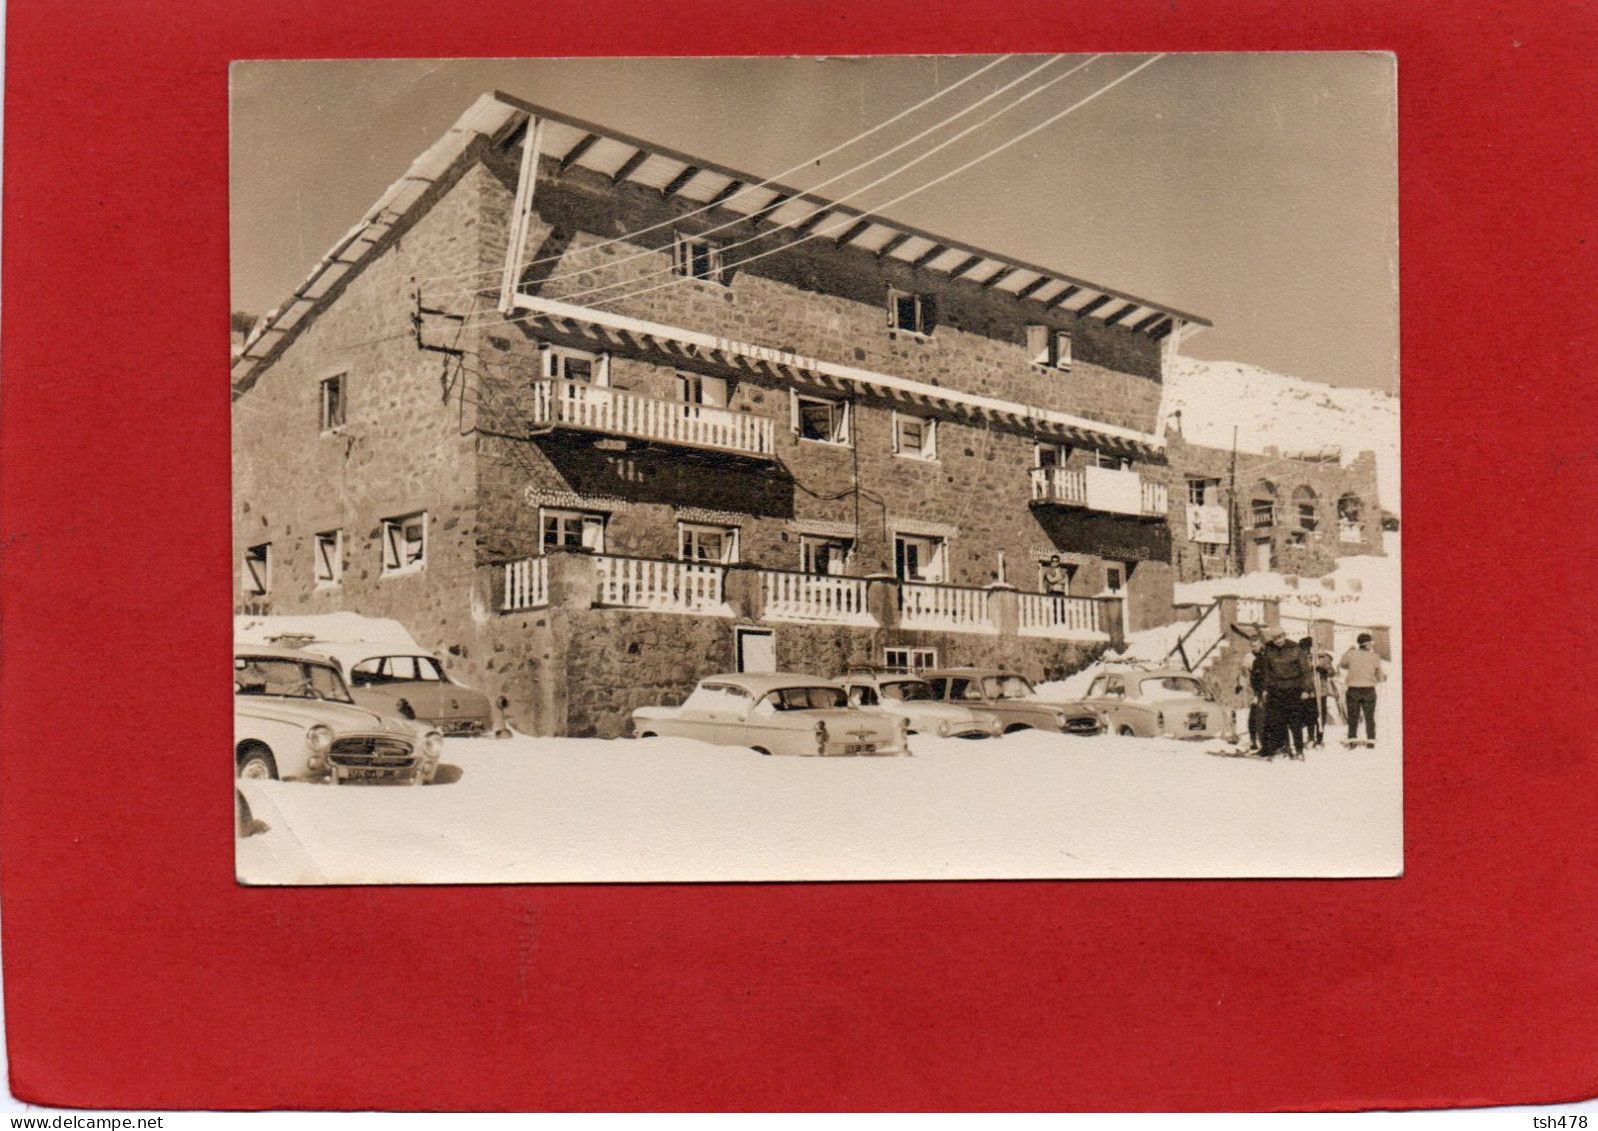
(600, 410)
(1100, 489)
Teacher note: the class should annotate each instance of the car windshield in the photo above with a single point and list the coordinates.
(1007, 687)
(908, 690)
(806, 698)
(288, 678)
(395, 669)
(1171, 687)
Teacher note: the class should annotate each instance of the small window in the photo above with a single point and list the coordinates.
(699, 391)
(698, 259)
(1112, 462)
(915, 437)
(1204, 492)
(561, 363)
(405, 543)
(258, 570)
(329, 564)
(826, 556)
(910, 659)
(1052, 455)
(1307, 518)
(571, 530)
(918, 558)
(910, 313)
(819, 419)
(1049, 347)
(333, 403)
(718, 544)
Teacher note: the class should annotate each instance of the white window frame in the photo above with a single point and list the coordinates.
(929, 437)
(329, 426)
(940, 556)
(1111, 462)
(841, 428)
(682, 259)
(395, 546)
(914, 656)
(327, 564)
(687, 531)
(256, 583)
(553, 359)
(586, 521)
(919, 329)
(699, 390)
(808, 543)
(1048, 346)
(1063, 451)
(1195, 492)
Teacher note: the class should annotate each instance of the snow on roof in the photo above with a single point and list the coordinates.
(382, 634)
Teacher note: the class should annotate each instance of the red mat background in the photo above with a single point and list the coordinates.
(139, 976)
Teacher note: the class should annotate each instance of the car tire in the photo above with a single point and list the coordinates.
(761, 750)
(648, 734)
(255, 763)
(1125, 731)
(1013, 727)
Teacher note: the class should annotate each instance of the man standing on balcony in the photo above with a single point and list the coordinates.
(1056, 578)
(1364, 668)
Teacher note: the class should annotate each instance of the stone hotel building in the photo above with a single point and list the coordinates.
(593, 418)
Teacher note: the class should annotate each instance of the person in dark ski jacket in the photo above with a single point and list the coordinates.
(1288, 680)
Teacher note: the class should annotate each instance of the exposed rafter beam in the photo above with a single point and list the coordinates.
(896, 242)
(963, 267)
(681, 179)
(1063, 295)
(1089, 308)
(929, 255)
(629, 166)
(733, 189)
(810, 221)
(1162, 329)
(998, 276)
(1147, 322)
(765, 213)
(1120, 314)
(856, 229)
(584, 144)
(1033, 287)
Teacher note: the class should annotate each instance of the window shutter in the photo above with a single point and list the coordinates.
(929, 443)
(1062, 349)
(594, 533)
(714, 391)
(927, 308)
(895, 433)
(546, 360)
(893, 309)
(679, 255)
(793, 410)
(1037, 344)
(602, 370)
(845, 410)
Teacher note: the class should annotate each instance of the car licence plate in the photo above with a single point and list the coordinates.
(1197, 721)
(373, 773)
(860, 748)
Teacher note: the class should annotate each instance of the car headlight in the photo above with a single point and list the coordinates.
(433, 744)
(943, 729)
(319, 738)
(1060, 719)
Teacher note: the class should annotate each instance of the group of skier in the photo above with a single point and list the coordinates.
(1294, 693)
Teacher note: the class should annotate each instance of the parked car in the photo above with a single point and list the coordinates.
(774, 714)
(1158, 702)
(907, 696)
(1012, 699)
(411, 685)
(294, 719)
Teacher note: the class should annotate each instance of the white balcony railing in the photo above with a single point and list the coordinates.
(947, 607)
(1060, 617)
(815, 598)
(526, 584)
(661, 586)
(596, 408)
(1100, 489)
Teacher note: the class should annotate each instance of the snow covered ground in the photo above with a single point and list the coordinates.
(1028, 805)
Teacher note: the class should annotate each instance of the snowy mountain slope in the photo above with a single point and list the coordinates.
(1287, 412)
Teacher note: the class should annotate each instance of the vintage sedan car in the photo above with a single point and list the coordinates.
(1012, 699)
(411, 685)
(909, 697)
(1158, 702)
(774, 714)
(294, 719)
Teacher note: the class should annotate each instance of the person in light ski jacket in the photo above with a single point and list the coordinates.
(1364, 668)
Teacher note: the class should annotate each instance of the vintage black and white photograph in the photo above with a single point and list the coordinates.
(780, 469)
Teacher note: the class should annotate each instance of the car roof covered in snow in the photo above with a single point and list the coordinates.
(934, 672)
(758, 683)
(277, 652)
(349, 654)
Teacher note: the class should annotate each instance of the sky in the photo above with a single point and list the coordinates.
(1256, 190)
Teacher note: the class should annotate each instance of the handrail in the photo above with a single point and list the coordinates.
(1182, 649)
